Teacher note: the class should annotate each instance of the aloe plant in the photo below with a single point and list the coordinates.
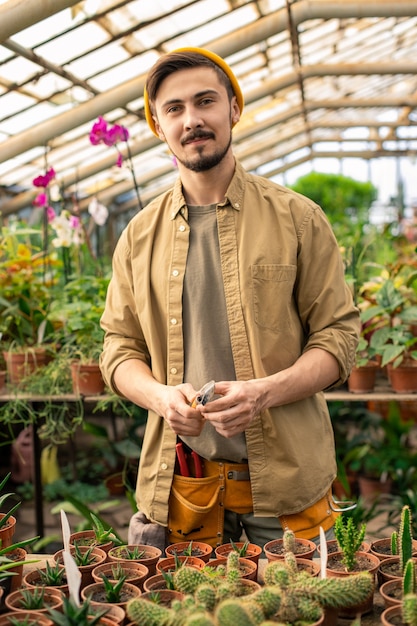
(4, 520)
(73, 615)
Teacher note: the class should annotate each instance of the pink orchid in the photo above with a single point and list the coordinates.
(74, 221)
(43, 181)
(119, 161)
(50, 214)
(98, 131)
(41, 199)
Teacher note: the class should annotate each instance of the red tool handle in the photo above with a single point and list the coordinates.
(182, 460)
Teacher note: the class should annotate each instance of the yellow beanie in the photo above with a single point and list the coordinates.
(218, 61)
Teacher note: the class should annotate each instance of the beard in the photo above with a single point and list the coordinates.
(203, 163)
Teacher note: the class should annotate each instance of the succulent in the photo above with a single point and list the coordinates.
(32, 599)
(349, 538)
(113, 590)
(73, 615)
(83, 558)
(52, 575)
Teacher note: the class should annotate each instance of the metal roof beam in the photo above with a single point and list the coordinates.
(16, 15)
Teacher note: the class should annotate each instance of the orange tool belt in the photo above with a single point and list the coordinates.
(197, 505)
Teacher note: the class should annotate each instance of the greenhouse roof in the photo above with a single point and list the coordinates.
(320, 78)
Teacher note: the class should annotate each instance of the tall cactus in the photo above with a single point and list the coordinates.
(405, 537)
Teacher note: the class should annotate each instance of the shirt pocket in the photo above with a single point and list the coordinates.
(272, 287)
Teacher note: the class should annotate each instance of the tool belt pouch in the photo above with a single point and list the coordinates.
(194, 510)
(306, 524)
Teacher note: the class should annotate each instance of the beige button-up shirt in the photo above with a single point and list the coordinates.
(285, 293)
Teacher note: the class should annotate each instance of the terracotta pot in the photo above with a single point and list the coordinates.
(7, 531)
(403, 379)
(372, 565)
(389, 569)
(253, 552)
(169, 563)
(88, 538)
(198, 548)
(86, 379)
(274, 549)
(308, 565)
(99, 556)
(33, 579)
(382, 548)
(52, 597)
(18, 554)
(96, 594)
(136, 573)
(116, 614)
(165, 596)
(154, 583)
(392, 616)
(34, 619)
(370, 488)
(150, 556)
(22, 364)
(392, 592)
(362, 379)
(3, 378)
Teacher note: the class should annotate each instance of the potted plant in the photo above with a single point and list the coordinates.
(39, 599)
(27, 276)
(243, 548)
(350, 560)
(21, 618)
(72, 614)
(145, 554)
(278, 548)
(110, 591)
(7, 520)
(387, 547)
(98, 535)
(363, 374)
(86, 559)
(190, 548)
(52, 575)
(402, 548)
(401, 599)
(134, 573)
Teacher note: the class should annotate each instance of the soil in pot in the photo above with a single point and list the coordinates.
(382, 548)
(52, 599)
(142, 553)
(190, 548)
(392, 592)
(333, 546)
(390, 569)
(135, 573)
(96, 593)
(35, 579)
(88, 538)
(155, 583)
(246, 550)
(392, 616)
(171, 563)
(98, 556)
(304, 548)
(165, 597)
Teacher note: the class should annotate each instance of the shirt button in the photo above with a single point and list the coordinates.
(164, 466)
(237, 205)
(182, 228)
(173, 321)
(175, 273)
(173, 370)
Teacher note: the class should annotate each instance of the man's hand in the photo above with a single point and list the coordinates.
(176, 410)
(234, 411)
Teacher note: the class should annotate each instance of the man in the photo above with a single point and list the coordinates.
(232, 278)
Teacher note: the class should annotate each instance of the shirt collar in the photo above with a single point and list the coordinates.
(234, 194)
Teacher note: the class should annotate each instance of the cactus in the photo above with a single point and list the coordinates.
(405, 537)
(205, 597)
(232, 612)
(200, 619)
(338, 592)
(409, 609)
(349, 538)
(409, 578)
(186, 579)
(148, 613)
(288, 541)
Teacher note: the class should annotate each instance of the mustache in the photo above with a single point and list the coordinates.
(196, 134)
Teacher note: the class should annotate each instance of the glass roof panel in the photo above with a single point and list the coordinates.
(304, 89)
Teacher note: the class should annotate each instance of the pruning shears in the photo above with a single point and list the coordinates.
(205, 394)
(189, 466)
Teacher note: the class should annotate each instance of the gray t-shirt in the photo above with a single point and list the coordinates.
(207, 346)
